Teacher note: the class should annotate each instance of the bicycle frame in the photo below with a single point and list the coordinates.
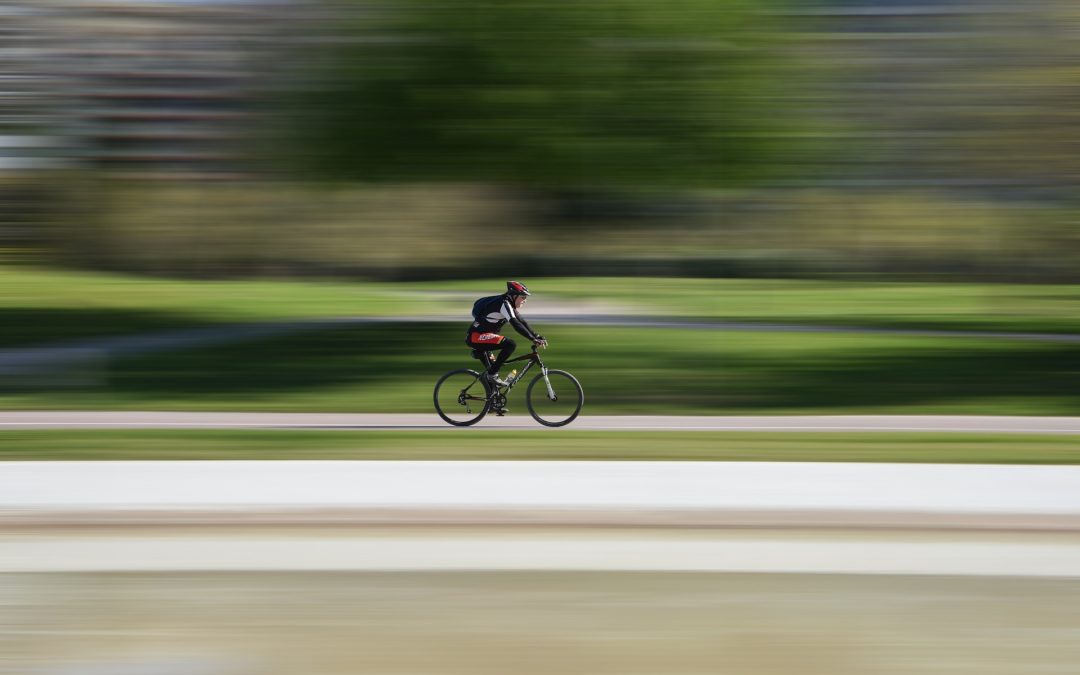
(532, 358)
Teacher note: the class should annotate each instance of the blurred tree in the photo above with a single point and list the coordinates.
(984, 97)
(1022, 120)
(559, 94)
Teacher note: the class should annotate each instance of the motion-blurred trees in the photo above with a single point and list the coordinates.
(879, 138)
(983, 98)
(555, 94)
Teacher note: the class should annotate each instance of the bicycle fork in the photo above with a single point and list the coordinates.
(547, 383)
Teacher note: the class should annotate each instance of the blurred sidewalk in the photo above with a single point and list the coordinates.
(394, 421)
(578, 493)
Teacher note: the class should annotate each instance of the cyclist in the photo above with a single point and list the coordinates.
(490, 314)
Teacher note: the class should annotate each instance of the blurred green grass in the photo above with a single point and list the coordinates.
(392, 368)
(41, 305)
(563, 444)
(947, 306)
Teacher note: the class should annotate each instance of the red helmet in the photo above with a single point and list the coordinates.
(516, 288)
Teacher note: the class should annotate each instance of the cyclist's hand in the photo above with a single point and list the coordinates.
(540, 342)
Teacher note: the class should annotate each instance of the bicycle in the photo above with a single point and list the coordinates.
(463, 397)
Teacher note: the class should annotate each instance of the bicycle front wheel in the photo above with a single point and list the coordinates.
(461, 397)
(555, 399)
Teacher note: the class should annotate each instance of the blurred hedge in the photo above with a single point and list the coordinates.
(451, 231)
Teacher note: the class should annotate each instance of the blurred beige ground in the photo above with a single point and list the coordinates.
(535, 623)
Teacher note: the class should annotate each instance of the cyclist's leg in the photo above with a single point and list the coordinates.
(507, 347)
(488, 342)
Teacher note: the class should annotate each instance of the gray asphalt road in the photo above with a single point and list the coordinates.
(419, 421)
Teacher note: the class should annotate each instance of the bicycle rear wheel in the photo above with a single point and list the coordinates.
(461, 397)
(558, 405)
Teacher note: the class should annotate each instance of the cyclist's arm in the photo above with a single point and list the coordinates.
(529, 332)
(519, 323)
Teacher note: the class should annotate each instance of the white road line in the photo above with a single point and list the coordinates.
(581, 485)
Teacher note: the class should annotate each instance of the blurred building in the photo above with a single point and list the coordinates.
(953, 94)
(151, 87)
(25, 87)
(911, 89)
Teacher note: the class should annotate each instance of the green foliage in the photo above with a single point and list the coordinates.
(554, 93)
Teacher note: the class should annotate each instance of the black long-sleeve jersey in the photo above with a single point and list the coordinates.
(490, 314)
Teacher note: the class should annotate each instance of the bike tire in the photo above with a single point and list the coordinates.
(566, 387)
(461, 380)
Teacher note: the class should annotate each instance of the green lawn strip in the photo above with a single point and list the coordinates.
(43, 304)
(40, 305)
(898, 305)
(390, 368)
(540, 444)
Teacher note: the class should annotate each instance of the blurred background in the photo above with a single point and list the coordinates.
(427, 139)
(722, 207)
(871, 164)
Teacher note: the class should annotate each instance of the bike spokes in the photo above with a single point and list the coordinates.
(461, 398)
(554, 398)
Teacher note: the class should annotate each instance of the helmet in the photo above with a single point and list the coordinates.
(516, 288)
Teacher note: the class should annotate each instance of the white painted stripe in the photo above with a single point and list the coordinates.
(583, 485)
